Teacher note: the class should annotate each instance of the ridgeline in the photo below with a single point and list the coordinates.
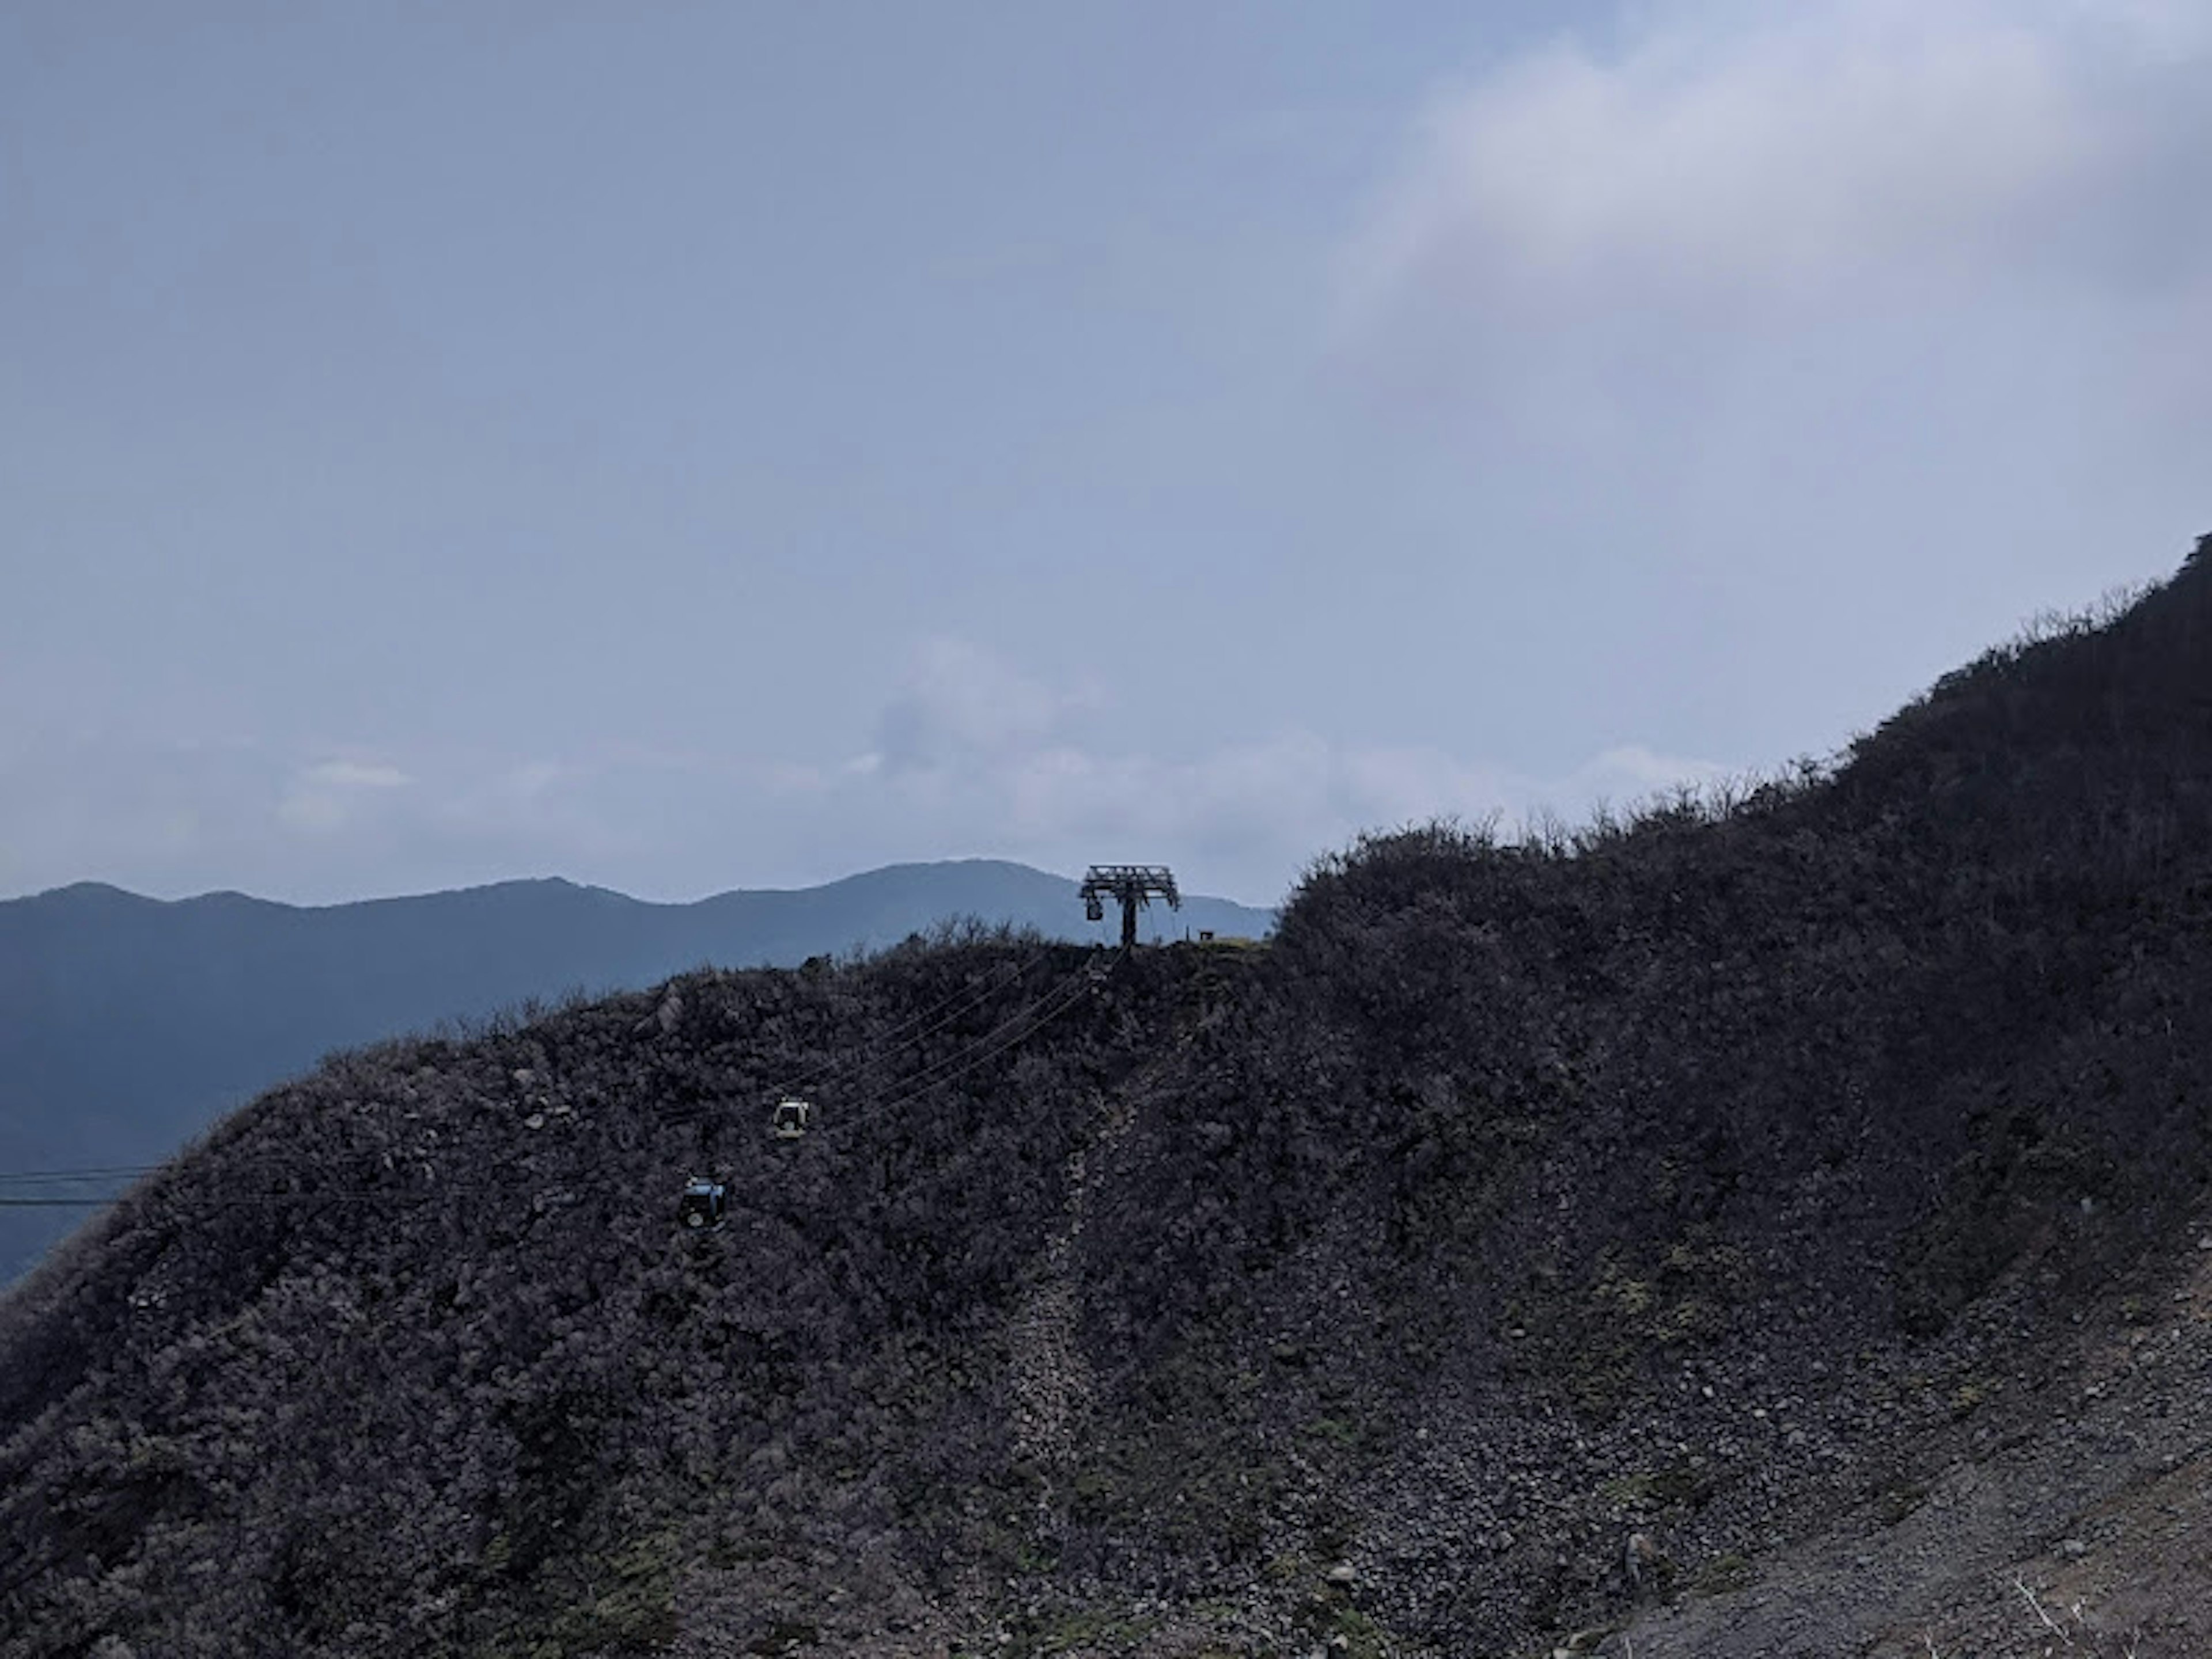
(1766, 1225)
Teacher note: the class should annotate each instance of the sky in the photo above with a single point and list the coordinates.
(683, 446)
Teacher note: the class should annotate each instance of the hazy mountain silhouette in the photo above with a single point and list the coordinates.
(128, 1025)
(1765, 1226)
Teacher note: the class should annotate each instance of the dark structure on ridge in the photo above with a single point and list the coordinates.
(1131, 884)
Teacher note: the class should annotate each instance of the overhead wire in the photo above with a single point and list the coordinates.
(868, 1054)
(877, 1048)
(89, 1172)
(1018, 1028)
(36, 1179)
(1068, 995)
(1078, 978)
(1048, 1006)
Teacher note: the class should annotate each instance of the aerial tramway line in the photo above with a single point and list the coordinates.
(703, 1204)
(874, 1051)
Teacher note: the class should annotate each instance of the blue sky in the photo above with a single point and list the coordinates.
(683, 446)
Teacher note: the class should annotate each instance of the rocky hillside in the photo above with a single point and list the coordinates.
(128, 1025)
(1767, 1225)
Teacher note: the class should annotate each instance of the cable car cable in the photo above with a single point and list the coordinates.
(913, 1088)
(1077, 980)
(1048, 1006)
(939, 1015)
(1009, 975)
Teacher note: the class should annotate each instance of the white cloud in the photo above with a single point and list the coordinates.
(1240, 818)
(322, 799)
(1823, 151)
(959, 703)
(1812, 308)
(1844, 152)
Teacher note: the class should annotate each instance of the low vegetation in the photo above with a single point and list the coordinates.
(1695, 1176)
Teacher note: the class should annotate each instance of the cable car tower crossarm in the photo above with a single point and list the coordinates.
(1134, 885)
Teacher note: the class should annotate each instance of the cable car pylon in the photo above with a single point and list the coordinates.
(1134, 884)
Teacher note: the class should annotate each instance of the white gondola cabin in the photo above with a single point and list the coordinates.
(789, 1121)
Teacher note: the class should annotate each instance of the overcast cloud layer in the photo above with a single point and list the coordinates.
(686, 451)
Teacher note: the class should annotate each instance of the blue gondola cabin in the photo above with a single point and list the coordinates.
(700, 1208)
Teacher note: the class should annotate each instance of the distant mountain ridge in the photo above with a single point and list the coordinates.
(128, 1025)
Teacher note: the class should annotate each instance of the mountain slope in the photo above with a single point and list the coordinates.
(128, 1025)
(1722, 1233)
